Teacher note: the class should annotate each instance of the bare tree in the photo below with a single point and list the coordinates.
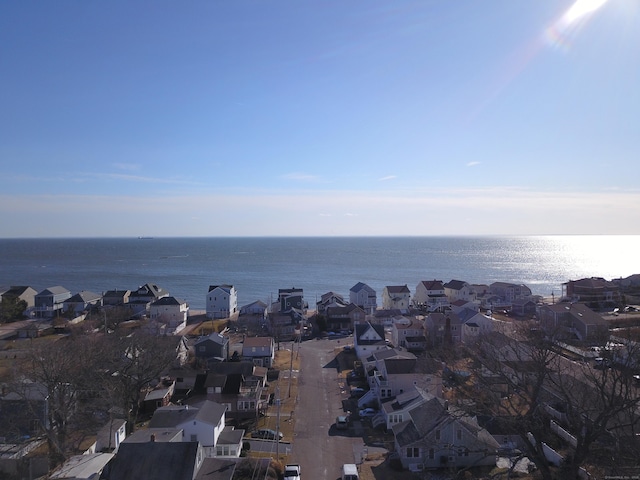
(526, 382)
(131, 363)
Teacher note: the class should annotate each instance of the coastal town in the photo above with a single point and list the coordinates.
(444, 379)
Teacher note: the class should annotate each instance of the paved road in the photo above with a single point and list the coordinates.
(317, 446)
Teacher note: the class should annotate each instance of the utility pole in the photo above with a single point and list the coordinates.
(278, 423)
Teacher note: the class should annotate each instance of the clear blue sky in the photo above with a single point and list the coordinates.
(319, 117)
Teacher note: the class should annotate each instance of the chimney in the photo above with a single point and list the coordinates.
(152, 438)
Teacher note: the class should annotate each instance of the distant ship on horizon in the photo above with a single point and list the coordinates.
(145, 238)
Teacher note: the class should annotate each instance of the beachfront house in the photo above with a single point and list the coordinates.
(19, 293)
(429, 296)
(329, 299)
(364, 296)
(222, 301)
(49, 302)
(459, 290)
(141, 299)
(82, 302)
(171, 313)
(396, 296)
(509, 292)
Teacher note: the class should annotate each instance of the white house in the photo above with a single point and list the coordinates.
(368, 339)
(430, 296)
(199, 423)
(459, 290)
(408, 333)
(222, 301)
(364, 296)
(171, 312)
(396, 296)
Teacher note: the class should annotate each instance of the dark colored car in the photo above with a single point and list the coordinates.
(267, 434)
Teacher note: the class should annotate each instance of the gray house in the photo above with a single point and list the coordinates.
(214, 346)
(50, 301)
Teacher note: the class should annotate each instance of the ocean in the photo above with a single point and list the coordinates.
(258, 267)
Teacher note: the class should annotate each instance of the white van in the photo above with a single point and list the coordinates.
(350, 472)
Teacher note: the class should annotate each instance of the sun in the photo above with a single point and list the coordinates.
(581, 8)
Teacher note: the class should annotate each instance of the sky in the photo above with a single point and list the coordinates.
(319, 118)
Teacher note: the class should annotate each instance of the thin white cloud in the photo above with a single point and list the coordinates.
(350, 215)
(473, 164)
(388, 177)
(129, 167)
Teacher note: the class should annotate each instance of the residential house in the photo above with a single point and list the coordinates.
(82, 302)
(214, 346)
(523, 307)
(238, 386)
(82, 467)
(474, 324)
(111, 436)
(443, 328)
(344, 317)
(396, 296)
(35, 329)
(255, 308)
(24, 293)
(159, 396)
(159, 434)
(290, 299)
(141, 299)
(222, 301)
(509, 292)
(230, 443)
(368, 339)
(171, 312)
(458, 306)
(596, 292)
(393, 372)
(115, 298)
(259, 350)
(23, 411)
(49, 302)
(201, 423)
(459, 290)
(408, 332)
(157, 460)
(329, 299)
(572, 320)
(430, 296)
(385, 316)
(221, 468)
(437, 436)
(395, 410)
(364, 296)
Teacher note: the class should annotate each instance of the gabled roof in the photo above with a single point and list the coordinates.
(432, 284)
(329, 295)
(225, 287)
(397, 289)
(57, 290)
(157, 460)
(214, 337)
(116, 293)
(363, 328)
(258, 342)
(361, 286)
(168, 301)
(82, 466)
(173, 416)
(149, 290)
(83, 297)
(455, 284)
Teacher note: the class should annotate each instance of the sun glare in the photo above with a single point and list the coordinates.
(560, 32)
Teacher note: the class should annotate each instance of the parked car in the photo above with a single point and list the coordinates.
(357, 392)
(267, 434)
(342, 422)
(367, 412)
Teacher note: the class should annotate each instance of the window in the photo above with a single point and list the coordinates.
(194, 438)
(438, 434)
(413, 452)
(432, 453)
